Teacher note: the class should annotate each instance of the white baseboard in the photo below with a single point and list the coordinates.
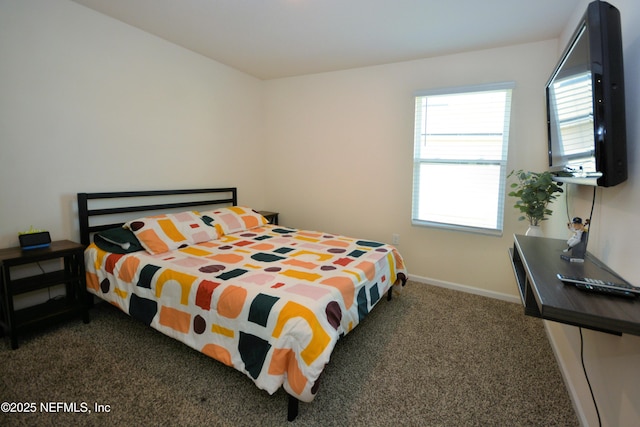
(465, 288)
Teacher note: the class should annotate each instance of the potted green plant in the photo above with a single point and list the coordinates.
(534, 190)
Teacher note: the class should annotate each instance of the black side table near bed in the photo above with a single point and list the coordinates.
(72, 275)
(272, 217)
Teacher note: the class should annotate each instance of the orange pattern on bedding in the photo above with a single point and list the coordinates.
(269, 301)
(231, 301)
(175, 319)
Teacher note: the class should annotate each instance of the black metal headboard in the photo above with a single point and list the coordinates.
(123, 202)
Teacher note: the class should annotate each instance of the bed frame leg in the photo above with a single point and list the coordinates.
(292, 412)
(403, 280)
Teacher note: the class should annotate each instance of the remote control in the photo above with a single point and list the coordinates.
(597, 285)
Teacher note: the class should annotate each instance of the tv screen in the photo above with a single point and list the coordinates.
(585, 102)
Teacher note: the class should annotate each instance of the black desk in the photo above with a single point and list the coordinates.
(536, 261)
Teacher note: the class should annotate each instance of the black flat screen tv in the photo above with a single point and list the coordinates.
(586, 104)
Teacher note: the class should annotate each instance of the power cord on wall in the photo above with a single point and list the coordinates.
(43, 273)
(566, 204)
(593, 203)
(56, 298)
(584, 369)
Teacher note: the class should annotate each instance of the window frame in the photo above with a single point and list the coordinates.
(418, 161)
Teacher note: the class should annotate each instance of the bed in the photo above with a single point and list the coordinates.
(268, 300)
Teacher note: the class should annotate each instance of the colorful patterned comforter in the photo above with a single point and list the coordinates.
(271, 302)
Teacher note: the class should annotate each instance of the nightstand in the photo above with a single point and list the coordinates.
(72, 275)
(272, 217)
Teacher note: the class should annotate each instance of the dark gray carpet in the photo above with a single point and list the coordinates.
(429, 357)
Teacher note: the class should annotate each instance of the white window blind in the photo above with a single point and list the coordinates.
(460, 156)
(573, 96)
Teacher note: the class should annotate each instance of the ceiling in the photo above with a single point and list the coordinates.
(281, 38)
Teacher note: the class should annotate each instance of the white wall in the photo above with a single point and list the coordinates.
(340, 150)
(340, 146)
(88, 103)
(612, 362)
(84, 98)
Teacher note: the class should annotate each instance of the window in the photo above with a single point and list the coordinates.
(460, 158)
